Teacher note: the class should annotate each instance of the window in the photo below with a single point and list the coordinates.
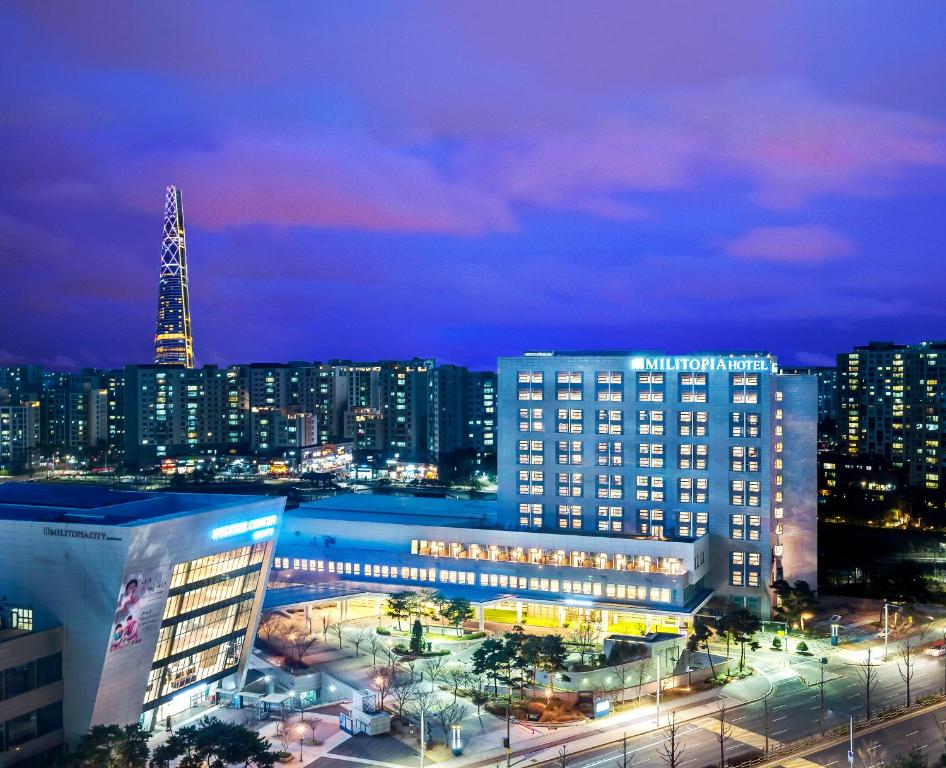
(650, 522)
(690, 456)
(650, 387)
(531, 452)
(610, 422)
(569, 516)
(529, 385)
(569, 484)
(530, 515)
(569, 421)
(530, 420)
(608, 386)
(744, 458)
(531, 482)
(610, 518)
(745, 569)
(744, 424)
(568, 385)
(692, 387)
(650, 455)
(692, 490)
(650, 423)
(610, 487)
(609, 454)
(744, 387)
(650, 488)
(692, 423)
(569, 451)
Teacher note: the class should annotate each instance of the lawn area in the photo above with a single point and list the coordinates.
(507, 616)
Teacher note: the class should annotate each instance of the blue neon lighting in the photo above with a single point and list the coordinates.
(245, 526)
(263, 533)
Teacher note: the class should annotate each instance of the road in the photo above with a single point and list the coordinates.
(794, 713)
(873, 749)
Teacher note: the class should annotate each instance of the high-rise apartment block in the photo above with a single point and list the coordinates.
(893, 404)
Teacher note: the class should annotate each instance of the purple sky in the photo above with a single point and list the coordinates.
(469, 179)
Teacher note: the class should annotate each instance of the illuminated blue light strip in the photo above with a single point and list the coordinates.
(263, 533)
(245, 526)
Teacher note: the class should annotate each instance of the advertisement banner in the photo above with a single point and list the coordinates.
(135, 625)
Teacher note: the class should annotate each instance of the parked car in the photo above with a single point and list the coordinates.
(937, 648)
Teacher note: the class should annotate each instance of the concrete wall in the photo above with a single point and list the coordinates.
(800, 454)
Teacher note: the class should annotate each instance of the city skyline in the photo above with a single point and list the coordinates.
(469, 195)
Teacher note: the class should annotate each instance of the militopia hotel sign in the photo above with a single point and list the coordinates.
(709, 363)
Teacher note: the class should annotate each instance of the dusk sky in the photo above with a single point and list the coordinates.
(462, 180)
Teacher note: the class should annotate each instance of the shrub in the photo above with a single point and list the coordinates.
(474, 635)
(776, 643)
(383, 631)
(802, 647)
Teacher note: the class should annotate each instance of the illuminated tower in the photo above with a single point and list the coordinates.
(173, 343)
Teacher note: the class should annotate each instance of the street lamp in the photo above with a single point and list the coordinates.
(300, 730)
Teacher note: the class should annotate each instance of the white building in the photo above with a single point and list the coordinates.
(157, 595)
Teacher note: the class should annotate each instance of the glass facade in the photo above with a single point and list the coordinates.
(208, 609)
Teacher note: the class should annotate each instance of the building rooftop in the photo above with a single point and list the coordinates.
(80, 504)
(426, 511)
(402, 510)
(641, 352)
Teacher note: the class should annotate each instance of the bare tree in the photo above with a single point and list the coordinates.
(723, 734)
(868, 675)
(671, 749)
(422, 705)
(448, 715)
(359, 638)
(585, 638)
(456, 677)
(312, 724)
(383, 677)
(563, 756)
(623, 672)
(375, 646)
(477, 688)
(296, 646)
(326, 623)
(403, 689)
(337, 631)
(641, 671)
(433, 669)
(906, 663)
(871, 753)
(627, 760)
(271, 625)
(284, 732)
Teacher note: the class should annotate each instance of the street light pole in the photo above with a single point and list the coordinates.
(658, 689)
(886, 630)
(508, 721)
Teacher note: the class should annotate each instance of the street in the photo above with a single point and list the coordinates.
(794, 713)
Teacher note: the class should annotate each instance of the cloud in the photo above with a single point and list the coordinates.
(329, 181)
(799, 244)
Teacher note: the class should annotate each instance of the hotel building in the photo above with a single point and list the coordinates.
(134, 606)
(633, 489)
